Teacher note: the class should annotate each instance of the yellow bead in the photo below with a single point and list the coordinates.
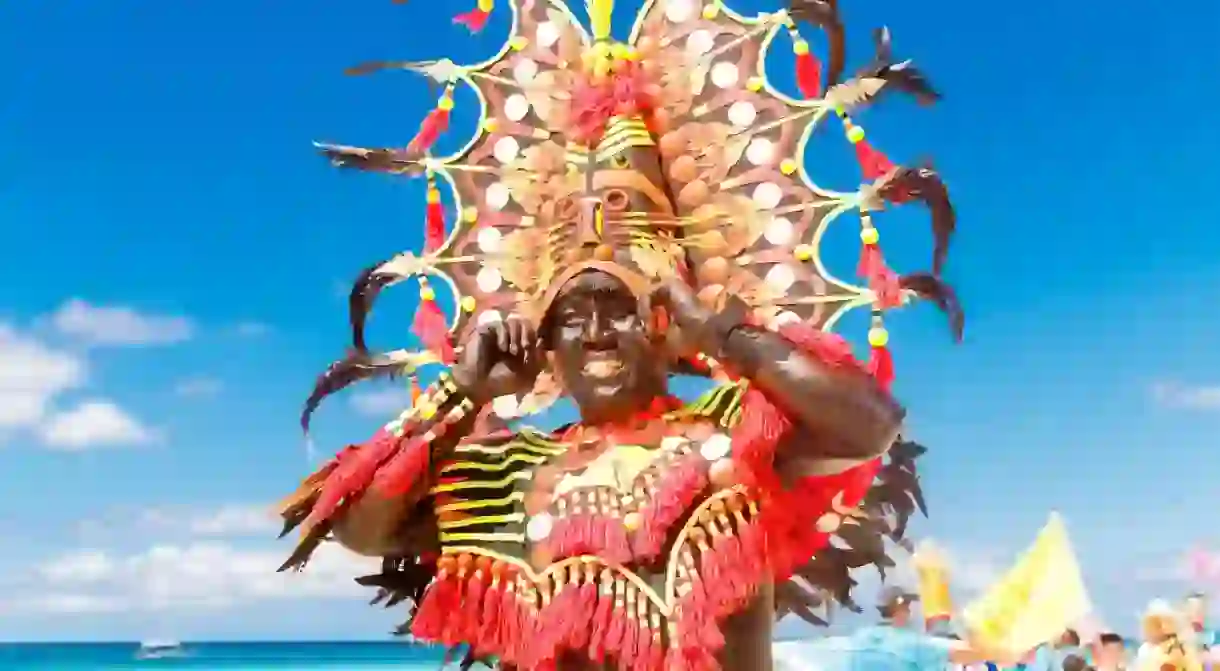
(711, 10)
(490, 125)
(427, 294)
(754, 84)
(468, 304)
(445, 103)
(788, 166)
(632, 54)
(518, 43)
(800, 47)
(427, 410)
(631, 521)
(855, 134)
(470, 215)
(878, 337)
(434, 195)
(869, 236)
(803, 252)
(618, 51)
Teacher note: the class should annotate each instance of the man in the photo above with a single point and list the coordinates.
(652, 534)
(895, 645)
(1110, 653)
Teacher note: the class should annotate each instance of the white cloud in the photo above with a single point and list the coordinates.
(85, 566)
(94, 423)
(117, 325)
(251, 329)
(32, 375)
(191, 575)
(381, 402)
(1190, 397)
(198, 387)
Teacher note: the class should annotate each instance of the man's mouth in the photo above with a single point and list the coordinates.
(602, 365)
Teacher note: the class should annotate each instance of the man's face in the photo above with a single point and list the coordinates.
(1110, 654)
(601, 346)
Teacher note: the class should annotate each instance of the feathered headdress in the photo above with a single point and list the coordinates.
(669, 153)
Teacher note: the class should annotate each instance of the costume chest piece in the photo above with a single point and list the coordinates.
(618, 502)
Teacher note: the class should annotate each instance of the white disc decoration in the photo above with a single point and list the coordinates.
(547, 34)
(679, 11)
(760, 151)
(506, 149)
(742, 114)
(516, 107)
(489, 280)
(725, 74)
(779, 231)
(496, 196)
(505, 407)
(489, 239)
(525, 70)
(768, 195)
(716, 447)
(489, 317)
(700, 42)
(539, 527)
(780, 277)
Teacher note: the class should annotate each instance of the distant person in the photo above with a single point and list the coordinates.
(894, 645)
(1110, 653)
(1165, 646)
(1206, 638)
(1075, 662)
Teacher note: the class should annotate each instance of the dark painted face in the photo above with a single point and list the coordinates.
(602, 349)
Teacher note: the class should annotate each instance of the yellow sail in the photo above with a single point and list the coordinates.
(1038, 598)
(933, 573)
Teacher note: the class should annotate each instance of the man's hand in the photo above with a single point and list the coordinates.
(499, 358)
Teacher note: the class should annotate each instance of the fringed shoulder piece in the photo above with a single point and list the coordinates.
(396, 461)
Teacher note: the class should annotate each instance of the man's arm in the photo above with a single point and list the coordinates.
(841, 408)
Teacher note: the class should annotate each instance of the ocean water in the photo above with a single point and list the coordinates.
(308, 656)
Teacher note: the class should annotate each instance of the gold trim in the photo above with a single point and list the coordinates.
(522, 444)
(671, 568)
(482, 519)
(534, 576)
(482, 484)
(501, 465)
(515, 497)
(489, 537)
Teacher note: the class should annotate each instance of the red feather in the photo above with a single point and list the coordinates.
(873, 163)
(809, 75)
(474, 20)
(430, 129)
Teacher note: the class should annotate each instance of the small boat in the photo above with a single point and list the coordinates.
(160, 649)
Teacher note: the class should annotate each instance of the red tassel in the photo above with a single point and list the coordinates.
(474, 20)
(881, 366)
(434, 221)
(430, 129)
(873, 163)
(809, 75)
(870, 261)
(432, 328)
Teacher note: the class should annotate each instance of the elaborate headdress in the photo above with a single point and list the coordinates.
(671, 152)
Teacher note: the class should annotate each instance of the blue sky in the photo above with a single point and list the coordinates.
(174, 258)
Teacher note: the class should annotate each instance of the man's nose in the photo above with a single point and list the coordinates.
(596, 329)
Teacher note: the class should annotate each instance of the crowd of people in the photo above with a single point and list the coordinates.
(1172, 638)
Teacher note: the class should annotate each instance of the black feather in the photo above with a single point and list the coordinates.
(357, 366)
(929, 287)
(926, 185)
(904, 76)
(365, 289)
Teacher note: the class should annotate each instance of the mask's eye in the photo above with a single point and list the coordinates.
(619, 161)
